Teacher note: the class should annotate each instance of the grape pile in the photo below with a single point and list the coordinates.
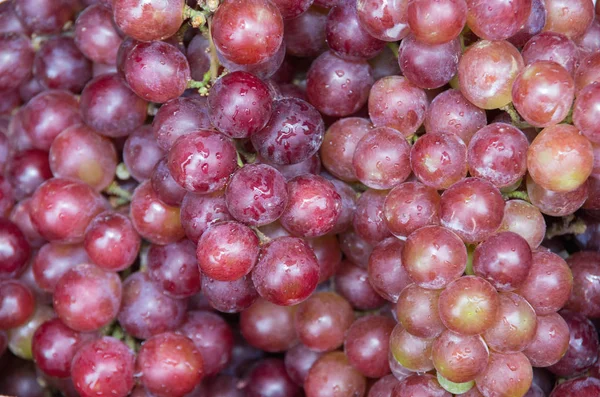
(288, 198)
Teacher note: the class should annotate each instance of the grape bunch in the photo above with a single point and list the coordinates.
(288, 198)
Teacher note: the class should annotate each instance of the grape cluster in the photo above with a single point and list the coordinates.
(287, 198)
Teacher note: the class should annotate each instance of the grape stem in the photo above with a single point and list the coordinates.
(516, 194)
(568, 225)
(201, 86)
(122, 172)
(394, 47)
(214, 61)
(261, 236)
(514, 116)
(115, 190)
(197, 18)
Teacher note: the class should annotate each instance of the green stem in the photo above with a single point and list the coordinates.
(394, 47)
(514, 116)
(122, 172)
(240, 162)
(567, 225)
(214, 61)
(517, 194)
(115, 190)
(197, 18)
(261, 236)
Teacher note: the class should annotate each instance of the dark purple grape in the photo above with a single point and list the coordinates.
(9, 21)
(305, 35)
(582, 387)
(298, 361)
(534, 25)
(110, 107)
(336, 86)
(45, 17)
(293, 134)
(269, 378)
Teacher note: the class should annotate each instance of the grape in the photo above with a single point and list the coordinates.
(411, 206)
(169, 364)
(202, 161)
(101, 68)
(459, 358)
(15, 251)
(63, 208)
(313, 206)
(355, 248)
(506, 374)
(293, 134)
(239, 104)
(472, 208)
(439, 160)
(59, 64)
(339, 145)
(19, 338)
(486, 72)
(345, 35)
(589, 42)
(146, 311)
(451, 112)
(167, 190)
(269, 327)
(469, 305)
(352, 283)
(17, 304)
(229, 296)
(588, 72)
(103, 366)
(154, 220)
(47, 115)
(332, 376)
(497, 20)
(311, 165)
(381, 159)
(583, 387)
(562, 142)
(436, 21)
(95, 35)
(533, 26)
(498, 153)
(45, 17)
(198, 57)
(328, 254)
(21, 216)
(269, 378)
(556, 203)
(585, 266)
(515, 325)
(397, 103)
(256, 194)
(174, 269)
(212, 337)
(322, 321)
(585, 112)
(383, 387)
(298, 361)
(79, 153)
(198, 212)
(540, 86)
(369, 219)
(263, 70)
(387, 276)
(53, 260)
(110, 107)
(17, 60)
(417, 312)
(548, 284)
(227, 251)
(148, 21)
(410, 351)
(384, 20)
(384, 64)
(87, 298)
(569, 17)
(582, 352)
(504, 260)
(367, 345)
(7, 194)
(9, 21)
(54, 345)
(28, 169)
(9, 101)
(550, 46)
(434, 256)
(305, 34)
(336, 86)
(247, 32)
(156, 71)
(179, 117)
(429, 65)
(550, 342)
(287, 271)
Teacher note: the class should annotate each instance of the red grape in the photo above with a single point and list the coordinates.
(141, 153)
(174, 269)
(15, 251)
(411, 206)
(419, 385)
(268, 326)
(569, 17)
(352, 283)
(459, 358)
(387, 276)
(588, 72)
(533, 26)
(199, 211)
(45, 17)
(21, 216)
(17, 304)
(417, 311)
(585, 267)
(27, 170)
(586, 111)
(367, 345)
(410, 351)
(305, 34)
(384, 20)
(96, 36)
(167, 190)
(556, 203)
(229, 296)
(53, 260)
(506, 375)
(550, 342)
(436, 21)
(497, 19)
(147, 21)
(17, 56)
(332, 376)
(582, 387)
(269, 378)
(179, 116)
(298, 361)
(550, 46)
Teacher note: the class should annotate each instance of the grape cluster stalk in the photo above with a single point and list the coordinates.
(300, 198)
